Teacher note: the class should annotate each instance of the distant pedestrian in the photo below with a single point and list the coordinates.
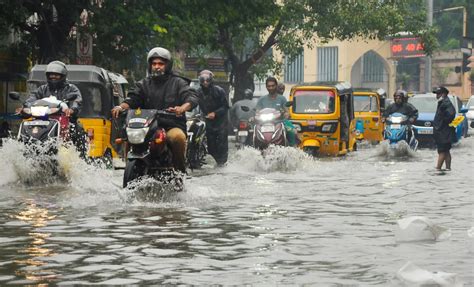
(443, 134)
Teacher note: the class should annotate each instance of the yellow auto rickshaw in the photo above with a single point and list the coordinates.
(368, 109)
(101, 90)
(323, 115)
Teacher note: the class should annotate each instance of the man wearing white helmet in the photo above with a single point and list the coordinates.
(164, 90)
(59, 87)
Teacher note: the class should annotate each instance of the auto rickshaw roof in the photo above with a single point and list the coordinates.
(381, 92)
(341, 87)
(76, 73)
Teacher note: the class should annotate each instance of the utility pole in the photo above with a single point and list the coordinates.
(429, 21)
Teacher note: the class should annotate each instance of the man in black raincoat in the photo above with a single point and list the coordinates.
(214, 105)
(164, 90)
(443, 134)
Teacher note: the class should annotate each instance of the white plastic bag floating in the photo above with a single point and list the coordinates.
(419, 228)
(412, 275)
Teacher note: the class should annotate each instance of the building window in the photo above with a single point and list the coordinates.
(372, 68)
(294, 70)
(327, 63)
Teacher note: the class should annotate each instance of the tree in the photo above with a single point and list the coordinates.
(245, 31)
(44, 25)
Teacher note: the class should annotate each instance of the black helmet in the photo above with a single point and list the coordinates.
(402, 94)
(159, 52)
(248, 94)
(206, 75)
(56, 67)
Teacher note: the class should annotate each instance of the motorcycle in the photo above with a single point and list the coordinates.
(149, 153)
(397, 130)
(269, 129)
(244, 132)
(48, 124)
(197, 143)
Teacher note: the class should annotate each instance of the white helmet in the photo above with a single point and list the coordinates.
(159, 52)
(57, 67)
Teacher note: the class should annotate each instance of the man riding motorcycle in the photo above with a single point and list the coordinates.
(401, 105)
(164, 90)
(278, 102)
(59, 87)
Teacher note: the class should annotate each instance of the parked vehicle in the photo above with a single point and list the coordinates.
(197, 141)
(323, 115)
(101, 90)
(423, 126)
(470, 111)
(397, 131)
(368, 109)
(269, 129)
(149, 153)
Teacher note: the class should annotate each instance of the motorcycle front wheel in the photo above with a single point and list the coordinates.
(133, 170)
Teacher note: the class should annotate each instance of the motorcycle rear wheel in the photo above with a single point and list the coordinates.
(133, 170)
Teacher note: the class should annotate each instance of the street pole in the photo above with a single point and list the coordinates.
(429, 21)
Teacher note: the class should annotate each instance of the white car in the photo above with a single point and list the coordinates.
(470, 112)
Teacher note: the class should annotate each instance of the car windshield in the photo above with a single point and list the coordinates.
(365, 104)
(424, 104)
(314, 102)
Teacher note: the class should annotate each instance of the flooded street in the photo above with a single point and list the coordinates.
(285, 219)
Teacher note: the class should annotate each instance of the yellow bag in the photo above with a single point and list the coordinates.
(456, 121)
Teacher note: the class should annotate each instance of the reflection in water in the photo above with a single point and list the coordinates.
(37, 217)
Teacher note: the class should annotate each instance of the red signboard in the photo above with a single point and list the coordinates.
(407, 48)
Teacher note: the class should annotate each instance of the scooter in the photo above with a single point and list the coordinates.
(397, 130)
(45, 125)
(244, 131)
(197, 141)
(269, 129)
(149, 153)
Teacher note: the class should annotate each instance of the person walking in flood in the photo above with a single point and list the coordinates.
(443, 134)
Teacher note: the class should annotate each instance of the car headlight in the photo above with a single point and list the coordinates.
(137, 136)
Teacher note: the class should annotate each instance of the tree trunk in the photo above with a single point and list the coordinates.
(242, 80)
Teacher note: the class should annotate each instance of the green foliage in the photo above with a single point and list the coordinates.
(449, 24)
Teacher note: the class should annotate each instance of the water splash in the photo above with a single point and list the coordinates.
(399, 150)
(273, 159)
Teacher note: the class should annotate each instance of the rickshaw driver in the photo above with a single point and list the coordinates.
(277, 101)
(163, 89)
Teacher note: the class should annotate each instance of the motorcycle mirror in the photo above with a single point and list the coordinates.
(14, 96)
(245, 108)
(71, 97)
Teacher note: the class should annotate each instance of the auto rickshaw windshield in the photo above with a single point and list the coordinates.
(365, 104)
(313, 102)
(96, 101)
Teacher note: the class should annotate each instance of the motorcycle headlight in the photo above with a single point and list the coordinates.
(266, 117)
(396, 120)
(137, 136)
(39, 111)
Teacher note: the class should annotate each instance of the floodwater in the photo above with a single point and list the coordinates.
(283, 219)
